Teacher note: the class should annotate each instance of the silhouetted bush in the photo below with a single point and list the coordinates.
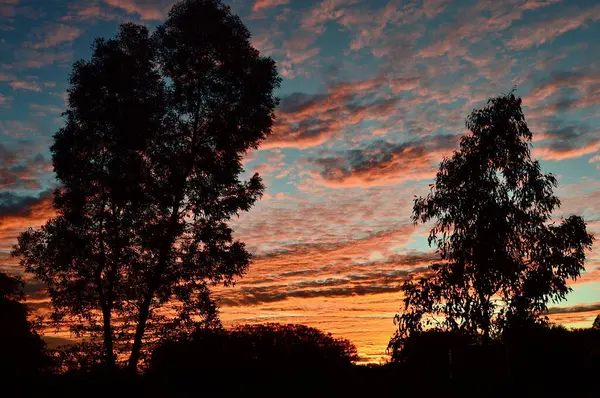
(22, 351)
(553, 354)
(269, 346)
(428, 353)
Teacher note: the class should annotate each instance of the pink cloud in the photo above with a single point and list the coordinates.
(31, 58)
(582, 81)
(25, 85)
(56, 34)
(309, 120)
(383, 163)
(149, 10)
(7, 8)
(475, 22)
(562, 153)
(264, 4)
(549, 29)
(46, 109)
(90, 10)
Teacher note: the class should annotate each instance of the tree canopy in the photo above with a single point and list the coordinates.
(149, 162)
(502, 257)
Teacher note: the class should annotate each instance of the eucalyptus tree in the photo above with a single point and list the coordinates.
(502, 257)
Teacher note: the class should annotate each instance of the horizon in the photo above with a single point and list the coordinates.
(374, 95)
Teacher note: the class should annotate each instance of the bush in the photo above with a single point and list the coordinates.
(270, 346)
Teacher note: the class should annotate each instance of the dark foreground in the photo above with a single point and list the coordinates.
(356, 381)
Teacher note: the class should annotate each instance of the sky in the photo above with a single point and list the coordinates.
(374, 94)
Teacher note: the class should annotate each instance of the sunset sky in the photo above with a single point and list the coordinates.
(374, 94)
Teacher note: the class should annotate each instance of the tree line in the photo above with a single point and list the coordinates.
(149, 163)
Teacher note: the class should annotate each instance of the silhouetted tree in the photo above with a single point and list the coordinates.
(87, 253)
(222, 104)
(149, 162)
(272, 347)
(502, 257)
(596, 324)
(22, 351)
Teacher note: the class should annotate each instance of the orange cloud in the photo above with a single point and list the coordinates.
(305, 120)
(19, 213)
(383, 163)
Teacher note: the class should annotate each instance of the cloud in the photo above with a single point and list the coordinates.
(549, 29)
(574, 308)
(474, 23)
(25, 85)
(26, 58)
(4, 100)
(6, 77)
(56, 34)
(371, 279)
(568, 141)
(9, 158)
(44, 110)
(383, 163)
(18, 171)
(582, 315)
(306, 120)
(264, 4)
(269, 295)
(90, 10)
(561, 80)
(17, 213)
(148, 10)
(8, 8)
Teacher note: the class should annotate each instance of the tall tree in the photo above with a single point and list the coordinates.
(149, 162)
(502, 257)
(221, 105)
(87, 253)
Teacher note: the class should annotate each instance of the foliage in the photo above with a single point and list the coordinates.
(534, 354)
(22, 350)
(502, 259)
(428, 347)
(149, 163)
(273, 346)
(83, 357)
(596, 324)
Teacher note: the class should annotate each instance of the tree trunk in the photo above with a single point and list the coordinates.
(134, 358)
(108, 338)
(485, 318)
(163, 255)
(106, 307)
